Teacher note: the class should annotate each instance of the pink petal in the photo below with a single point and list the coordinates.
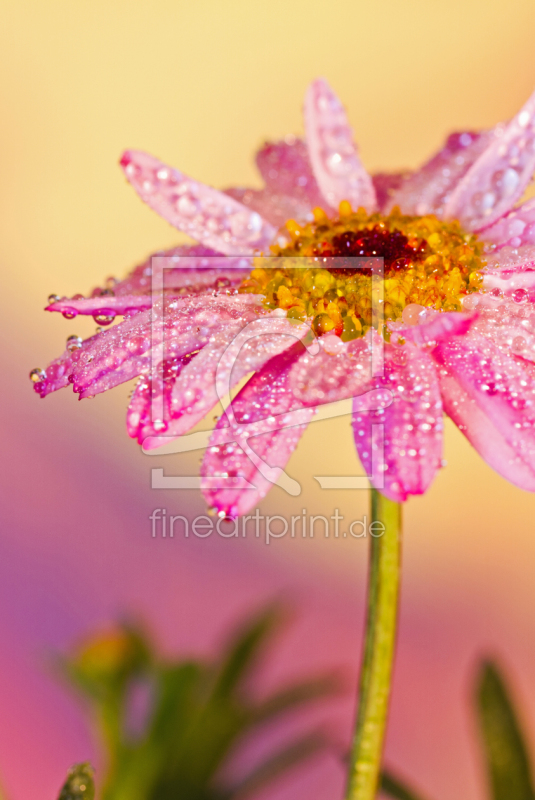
(508, 324)
(275, 208)
(498, 178)
(98, 356)
(386, 184)
(335, 161)
(515, 229)
(490, 395)
(129, 348)
(516, 284)
(267, 422)
(152, 396)
(205, 214)
(511, 259)
(286, 170)
(56, 374)
(184, 272)
(436, 327)
(334, 371)
(198, 269)
(400, 445)
(222, 364)
(426, 190)
(106, 306)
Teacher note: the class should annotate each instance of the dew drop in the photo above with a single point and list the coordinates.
(505, 181)
(413, 314)
(518, 345)
(337, 165)
(53, 298)
(519, 295)
(132, 170)
(483, 202)
(37, 375)
(244, 224)
(74, 343)
(470, 302)
(222, 283)
(104, 319)
(187, 206)
(399, 356)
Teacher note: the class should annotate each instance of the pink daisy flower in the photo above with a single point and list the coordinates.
(459, 288)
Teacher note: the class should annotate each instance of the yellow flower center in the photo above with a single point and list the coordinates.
(426, 262)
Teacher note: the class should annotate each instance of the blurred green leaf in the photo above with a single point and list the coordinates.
(285, 759)
(507, 762)
(169, 728)
(244, 650)
(293, 696)
(394, 787)
(79, 784)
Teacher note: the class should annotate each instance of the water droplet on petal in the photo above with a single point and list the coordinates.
(413, 314)
(221, 283)
(187, 206)
(74, 343)
(37, 375)
(519, 296)
(337, 165)
(470, 302)
(483, 202)
(518, 345)
(505, 181)
(104, 319)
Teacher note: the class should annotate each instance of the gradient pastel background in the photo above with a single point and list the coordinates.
(201, 85)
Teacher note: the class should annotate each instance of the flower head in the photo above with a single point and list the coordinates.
(457, 323)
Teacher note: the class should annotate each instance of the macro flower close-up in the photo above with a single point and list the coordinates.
(457, 327)
(410, 293)
(287, 250)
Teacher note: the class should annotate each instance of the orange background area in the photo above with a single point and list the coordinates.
(201, 85)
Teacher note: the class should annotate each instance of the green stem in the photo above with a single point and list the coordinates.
(379, 645)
